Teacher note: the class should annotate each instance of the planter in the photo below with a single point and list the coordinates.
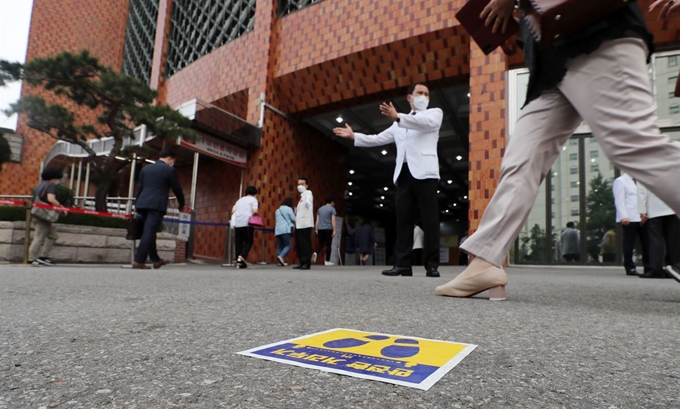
(85, 244)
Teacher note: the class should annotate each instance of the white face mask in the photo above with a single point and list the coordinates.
(420, 103)
(301, 189)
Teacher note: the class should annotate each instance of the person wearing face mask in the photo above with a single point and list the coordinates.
(304, 223)
(155, 181)
(416, 175)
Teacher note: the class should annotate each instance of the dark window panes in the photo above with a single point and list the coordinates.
(198, 27)
(140, 37)
(289, 6)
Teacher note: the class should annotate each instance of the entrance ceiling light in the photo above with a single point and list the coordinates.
(459, 157)
(339, 119)
(385, 188)
(449, 181)
(351, 171)
(384, 152)
(349, 183)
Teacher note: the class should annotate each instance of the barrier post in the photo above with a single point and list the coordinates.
(263, 249)
(27, 240)
(227, 251)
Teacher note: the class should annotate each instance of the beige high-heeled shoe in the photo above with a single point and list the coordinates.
(480, 276)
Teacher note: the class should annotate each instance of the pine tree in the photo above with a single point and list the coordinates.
(600, 210)
(120, 102)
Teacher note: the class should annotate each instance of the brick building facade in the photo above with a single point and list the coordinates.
(326, 55)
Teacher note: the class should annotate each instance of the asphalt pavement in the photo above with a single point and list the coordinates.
(106, 337)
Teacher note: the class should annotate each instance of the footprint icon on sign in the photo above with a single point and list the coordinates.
(401, 348)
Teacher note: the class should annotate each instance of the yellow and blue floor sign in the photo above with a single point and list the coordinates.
(406, 361)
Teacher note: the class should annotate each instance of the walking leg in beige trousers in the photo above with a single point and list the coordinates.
(610, 90)
(45, 236)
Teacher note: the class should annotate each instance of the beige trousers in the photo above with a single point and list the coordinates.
(45, 236)
(611, 91)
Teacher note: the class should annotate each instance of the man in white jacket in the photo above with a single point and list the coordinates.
(304, 222)
(627, 213)
(663, 233)
(416, 175)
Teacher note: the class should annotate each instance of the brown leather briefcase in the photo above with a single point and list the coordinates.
(552, 20)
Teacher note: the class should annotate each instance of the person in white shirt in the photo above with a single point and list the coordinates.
(626, 202)
(663, 233)
(304, 223)
(417, 252)
(243, 209)
(416, 175)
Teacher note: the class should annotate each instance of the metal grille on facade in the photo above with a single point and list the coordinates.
(140, 36)
(290, 6)
(200, 26)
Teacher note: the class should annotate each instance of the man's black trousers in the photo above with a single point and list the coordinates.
(325, 240)
(630, 232)
(417, 197)
(303, 245)
(147, 244)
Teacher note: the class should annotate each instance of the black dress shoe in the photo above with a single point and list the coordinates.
(432, 272)
(298, 267)
(398, 271)
(305, 267)
(632, 273)
(650, 275)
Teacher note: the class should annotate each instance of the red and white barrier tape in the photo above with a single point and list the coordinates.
(65, 209)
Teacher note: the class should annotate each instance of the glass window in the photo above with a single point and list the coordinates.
(574, 183)
(574, 198)
(664, 77)
(573, 141)
(573, 170)
(600, 210)
(575, 212)
(594, 154)
(671, 95)
(573, 156)
(532, 238)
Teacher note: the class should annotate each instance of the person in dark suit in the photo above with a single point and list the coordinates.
(155, 181)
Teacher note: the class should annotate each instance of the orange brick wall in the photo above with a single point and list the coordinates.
(488, 102)
(57, 26)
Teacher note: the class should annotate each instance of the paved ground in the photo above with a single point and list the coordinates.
(106, 337)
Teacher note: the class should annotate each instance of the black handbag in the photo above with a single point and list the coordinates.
(135, 227)
(552, 20)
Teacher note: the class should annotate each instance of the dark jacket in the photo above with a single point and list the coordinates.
(366, 239)
(547, 66)
(155, 181)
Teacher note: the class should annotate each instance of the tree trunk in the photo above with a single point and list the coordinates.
(103, 189)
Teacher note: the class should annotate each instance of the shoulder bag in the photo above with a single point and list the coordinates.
(46, 215)
(552, 20)
(255, 221)
(135, 227)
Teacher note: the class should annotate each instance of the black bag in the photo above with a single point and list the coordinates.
(553, 20)
(135, 227)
